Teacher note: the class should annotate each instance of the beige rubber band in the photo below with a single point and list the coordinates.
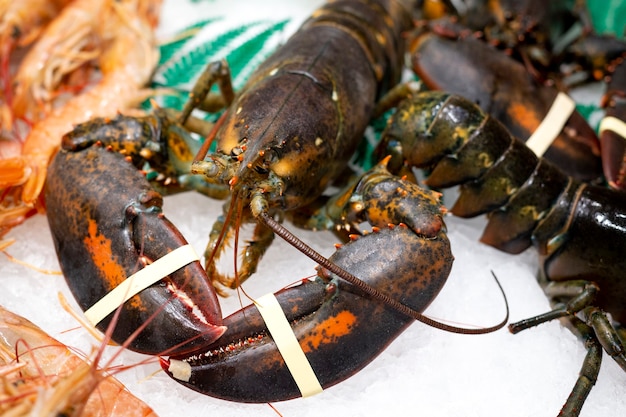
(561, 110)
(139, 281)
(614, 125)
(288, 345)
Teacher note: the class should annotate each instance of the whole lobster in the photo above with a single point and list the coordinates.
(577, 228)
(109, 224)
(328, 316)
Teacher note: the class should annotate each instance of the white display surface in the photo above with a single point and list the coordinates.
(423, 372)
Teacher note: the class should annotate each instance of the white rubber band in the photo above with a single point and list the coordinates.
(614, 125)
(561, 110)
(288, 345)
(139, 281)
(180, 370)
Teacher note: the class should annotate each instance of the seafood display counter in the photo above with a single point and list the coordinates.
(424, 370)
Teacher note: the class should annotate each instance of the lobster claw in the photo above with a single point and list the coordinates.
(339, 328)
(613, 129)
(106, 224)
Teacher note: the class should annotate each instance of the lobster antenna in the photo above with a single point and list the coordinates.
(342, 273)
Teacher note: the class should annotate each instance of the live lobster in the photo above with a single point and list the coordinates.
(576, 228)
(274, 172)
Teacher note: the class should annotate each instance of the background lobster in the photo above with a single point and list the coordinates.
(441, 401)
(575, 227)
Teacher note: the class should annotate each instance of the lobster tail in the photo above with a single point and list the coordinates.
(510, 227)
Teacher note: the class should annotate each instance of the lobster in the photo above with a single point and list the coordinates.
(108, 224)
(575, 227)
(328, 315)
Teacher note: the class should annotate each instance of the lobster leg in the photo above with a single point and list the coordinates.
(579, 296)
(589, 371)
(252, 252)
(199, 97)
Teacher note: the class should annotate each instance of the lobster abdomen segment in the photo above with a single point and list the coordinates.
(503, 88)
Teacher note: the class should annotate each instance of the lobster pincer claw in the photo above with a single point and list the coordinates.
(612, 129)
(107, 224)
(337, 326)
(387, 199)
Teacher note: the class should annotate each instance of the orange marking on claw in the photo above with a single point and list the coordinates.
(524, 116)
(329, 331)
(100, 249)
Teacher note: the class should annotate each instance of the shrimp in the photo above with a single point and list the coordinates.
(21, 22)
(127, 56)
(41, 376)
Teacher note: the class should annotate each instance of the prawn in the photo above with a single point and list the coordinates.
(21, 23)
(124, 31)
(42, 376)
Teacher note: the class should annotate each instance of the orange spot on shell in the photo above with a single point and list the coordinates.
(100, 249)
(524, 116)
(329, 331)
(102, 256)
